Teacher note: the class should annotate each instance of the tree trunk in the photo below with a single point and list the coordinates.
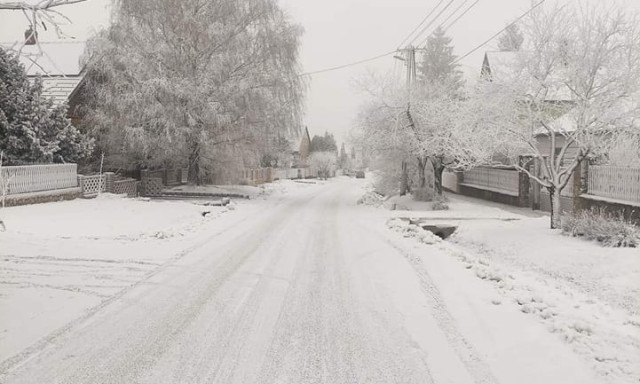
(404, 179)
(554, 195)
(194, 165)
(422, 178)
(438, 169)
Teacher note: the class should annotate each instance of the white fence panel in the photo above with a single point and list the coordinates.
(617, 183)
(36, 178)
(495, 179)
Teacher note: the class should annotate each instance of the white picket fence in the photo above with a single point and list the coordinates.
(617, 183)
(36, 178)
(493, 179)
(292, 173)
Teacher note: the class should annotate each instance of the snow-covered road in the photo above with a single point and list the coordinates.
(310, 289)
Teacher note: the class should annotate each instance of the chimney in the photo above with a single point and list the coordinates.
(30, 36)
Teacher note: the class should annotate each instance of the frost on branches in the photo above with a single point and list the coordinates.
(206, 84)
(574, 91)
(32, 130)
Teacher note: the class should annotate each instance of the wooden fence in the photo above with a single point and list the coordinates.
(37, 178)
(617, 183)
(493, 179)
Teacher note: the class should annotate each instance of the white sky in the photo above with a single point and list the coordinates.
(339, 32)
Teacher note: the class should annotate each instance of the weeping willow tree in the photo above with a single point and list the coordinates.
(204, 83)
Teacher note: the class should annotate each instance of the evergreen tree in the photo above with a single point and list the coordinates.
(326, 143)
(344, 159)
(438, 62)
(511, 39)
(32, 130)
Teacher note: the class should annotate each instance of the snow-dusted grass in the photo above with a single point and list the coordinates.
(587, 295)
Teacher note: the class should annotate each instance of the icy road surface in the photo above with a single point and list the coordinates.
(310, 290)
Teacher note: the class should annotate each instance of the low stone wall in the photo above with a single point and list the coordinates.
(42, 197)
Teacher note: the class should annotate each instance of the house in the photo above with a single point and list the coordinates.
(301, 149)
(60, 66)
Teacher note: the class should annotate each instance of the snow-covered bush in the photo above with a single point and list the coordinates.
(608, 229)
(371, 198)
(441, 203)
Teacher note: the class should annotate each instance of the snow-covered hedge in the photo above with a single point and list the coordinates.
(610, 230)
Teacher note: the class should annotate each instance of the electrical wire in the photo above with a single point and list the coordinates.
(499, 32)
(348, 65)
(420, 24)
(433, 20)
(424, 41)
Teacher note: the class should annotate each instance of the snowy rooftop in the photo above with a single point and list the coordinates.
(59, 88)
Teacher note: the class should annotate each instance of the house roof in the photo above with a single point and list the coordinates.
(59, 88)
(59, 64)
(499, 64)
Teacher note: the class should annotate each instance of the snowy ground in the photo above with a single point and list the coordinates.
(60, 261)
(585, 294)
(301, 285)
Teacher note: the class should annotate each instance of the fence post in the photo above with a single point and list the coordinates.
(523, 183)
(580, 186)
(109, 178)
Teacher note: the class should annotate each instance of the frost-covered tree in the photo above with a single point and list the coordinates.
(439, 128)
(574, 91)
(438, 62)
(39, 14)
(511, 39)
(198, 82)
(324, 163)
(32, 129)
(434, 108)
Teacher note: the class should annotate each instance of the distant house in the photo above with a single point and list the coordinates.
(60, 67)
(302, 149)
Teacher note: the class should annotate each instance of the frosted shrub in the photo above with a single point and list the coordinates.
(610, 230)
(440, 204)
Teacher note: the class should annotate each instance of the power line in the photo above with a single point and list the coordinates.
(459, 17)
(420, 24)
(449, 17)
(348, 65)
(433, 20)
(499, 32)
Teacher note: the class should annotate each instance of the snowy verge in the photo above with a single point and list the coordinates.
(583, 294)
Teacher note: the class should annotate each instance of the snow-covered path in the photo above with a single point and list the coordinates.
(310, 290)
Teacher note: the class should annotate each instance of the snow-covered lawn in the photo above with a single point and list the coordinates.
(587, 295)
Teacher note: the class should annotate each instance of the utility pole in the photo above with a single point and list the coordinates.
(409, 57)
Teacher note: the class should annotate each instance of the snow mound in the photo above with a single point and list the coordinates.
(413, 231)
(371, 198)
